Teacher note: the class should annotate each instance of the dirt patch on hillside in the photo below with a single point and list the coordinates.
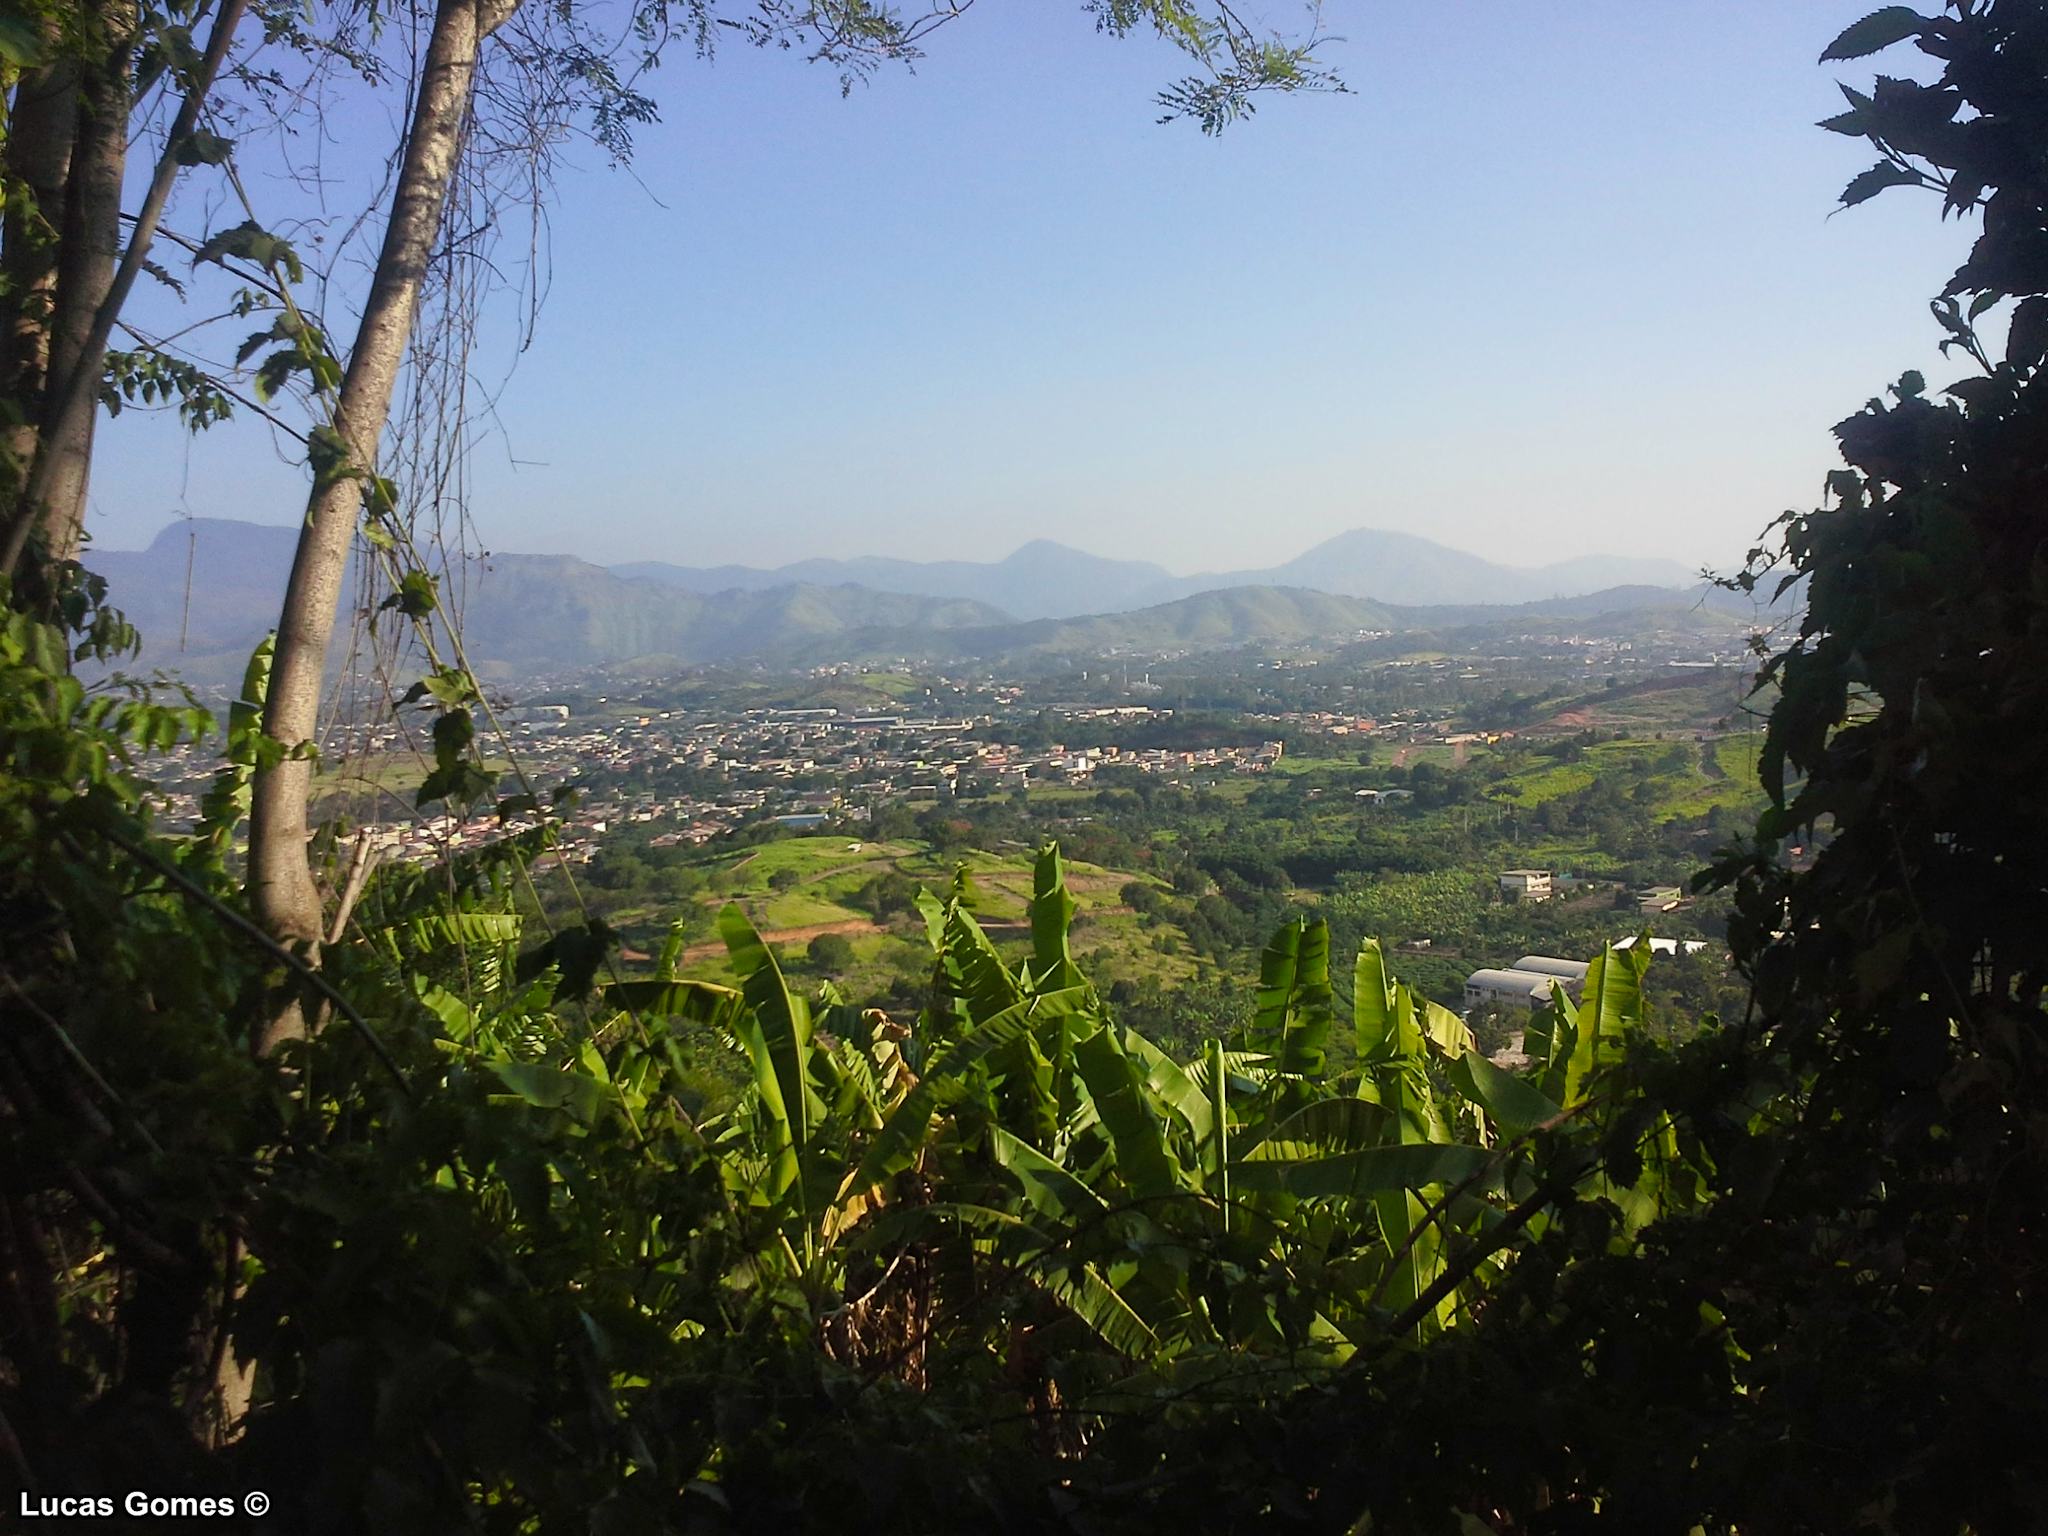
(1714, 694)
(1097, 882)
(802, 935)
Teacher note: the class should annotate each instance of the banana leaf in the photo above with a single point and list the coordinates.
(1135, 1132)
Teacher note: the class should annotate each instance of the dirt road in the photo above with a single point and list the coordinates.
(803, 935)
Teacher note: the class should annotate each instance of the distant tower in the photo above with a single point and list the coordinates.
(191, 552)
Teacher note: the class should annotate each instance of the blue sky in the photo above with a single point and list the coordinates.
(1556, 278)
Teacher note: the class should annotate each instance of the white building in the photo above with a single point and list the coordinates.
(536, 717)
(1510, 988)
(1526, 884)
(1573, 972)
(1664, 946)
(1382, 796)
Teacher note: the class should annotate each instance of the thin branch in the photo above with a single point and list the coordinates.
(150, 1250)
(1550, 1191)
(264, 941)
(13, 1458)
(1438, 1206)
(361, 859)
(78, 1058)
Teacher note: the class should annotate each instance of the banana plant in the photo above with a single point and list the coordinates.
(1015, 1163)
(1196, 1189)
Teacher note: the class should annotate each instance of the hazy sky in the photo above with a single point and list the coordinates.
(1557, 278)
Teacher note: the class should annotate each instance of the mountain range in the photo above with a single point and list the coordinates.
(520, 613)
(1289, 616)
(1044, 580)
(526, 613)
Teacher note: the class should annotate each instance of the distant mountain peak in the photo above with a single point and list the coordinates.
(1388, 566)
(1048, 549)
(179, 531)
(1357, 538)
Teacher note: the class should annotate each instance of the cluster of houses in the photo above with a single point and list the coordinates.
(1074, 766)
(697, 776)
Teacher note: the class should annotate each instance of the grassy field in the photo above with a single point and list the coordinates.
(1717, 773)
(1416, 754)
(1728, 779)
(799, 889)
(1685, 701)
(893, 685)
(1553, 781)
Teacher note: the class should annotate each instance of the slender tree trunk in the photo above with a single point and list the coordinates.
(85, 272)
(54, 497)
(281, 885)
(43, 123)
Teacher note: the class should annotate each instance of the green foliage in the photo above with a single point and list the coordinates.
(127, 1104)
(153, 378)
(830, 953)
(1875, 32)
(560, 1289)
(1899, 980)
(250, 242)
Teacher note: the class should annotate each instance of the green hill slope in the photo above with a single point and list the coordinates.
(1208, 621)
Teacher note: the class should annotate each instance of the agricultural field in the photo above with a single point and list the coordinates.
(1434, 753)
(1554, 781)
(1673, 779)
(855, 895)
(1728, 779)
(1709, 701)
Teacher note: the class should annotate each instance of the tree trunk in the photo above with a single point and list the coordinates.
(85, 271)
(44, 122)
(54, 496)
(281, 885)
